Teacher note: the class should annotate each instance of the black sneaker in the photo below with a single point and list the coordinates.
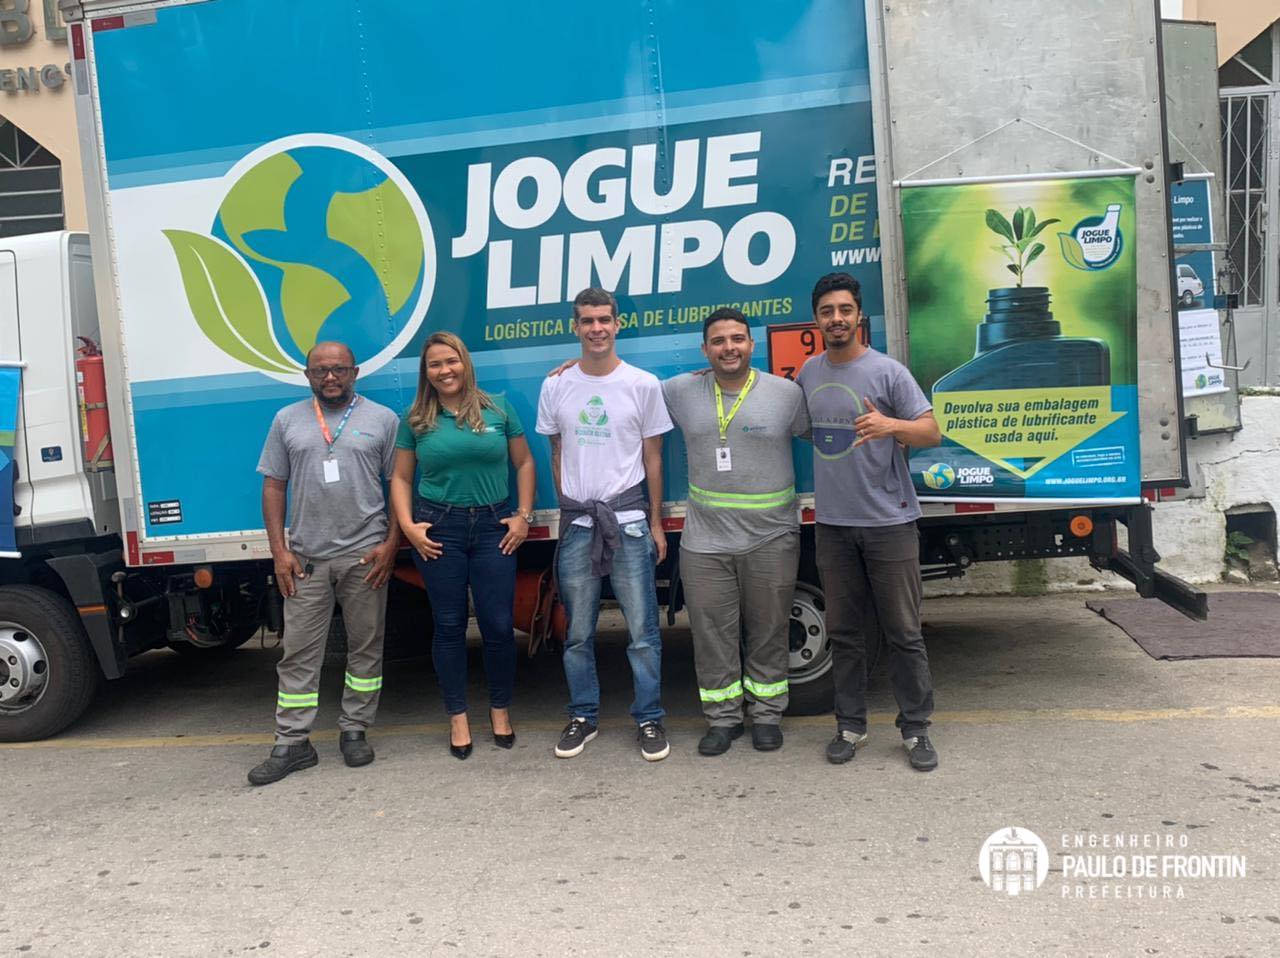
(653, 741)
(766, 738)
(355, 750)
(920, 753)
(844, 746)
(575, 737)
(283, 760)
(719, 738)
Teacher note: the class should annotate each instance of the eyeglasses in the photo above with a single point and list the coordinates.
(319, 373)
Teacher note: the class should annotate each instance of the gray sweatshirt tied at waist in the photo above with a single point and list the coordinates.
(605, 534)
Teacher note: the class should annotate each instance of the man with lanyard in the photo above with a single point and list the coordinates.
(740, 549)
(866, 409)
(332, 452)
(605, 420)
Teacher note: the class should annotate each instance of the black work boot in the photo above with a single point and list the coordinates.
(355, 750)
(283, 760)
(718, 739)
(766, 738)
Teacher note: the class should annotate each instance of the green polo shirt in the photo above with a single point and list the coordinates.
(460, 467)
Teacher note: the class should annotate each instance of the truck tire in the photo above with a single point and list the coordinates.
(810, 680)
(239, 635)
(48, 671)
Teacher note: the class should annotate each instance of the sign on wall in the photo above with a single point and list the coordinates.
(1023, 317)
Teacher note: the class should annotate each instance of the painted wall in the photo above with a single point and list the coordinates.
(1239, 21)
(47, 112)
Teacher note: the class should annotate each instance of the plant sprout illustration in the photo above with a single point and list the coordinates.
(1020, 234)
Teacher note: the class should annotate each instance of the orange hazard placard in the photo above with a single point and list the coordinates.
(790, 346)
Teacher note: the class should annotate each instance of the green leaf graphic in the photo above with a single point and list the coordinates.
(226, 302)
(998, 224)
(1041, 225)
(1031, 257)
(1071, 251)
(1018, 215)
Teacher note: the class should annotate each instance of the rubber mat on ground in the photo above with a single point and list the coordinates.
(1240, 625)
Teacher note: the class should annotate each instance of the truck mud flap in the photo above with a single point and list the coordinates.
(86, 578)
(1138, 565)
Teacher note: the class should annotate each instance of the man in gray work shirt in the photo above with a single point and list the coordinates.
(866, 408)
(740, 548)
(332, 452)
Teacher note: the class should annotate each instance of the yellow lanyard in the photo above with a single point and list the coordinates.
(733, 410)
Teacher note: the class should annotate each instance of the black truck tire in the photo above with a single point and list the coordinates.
(238, 636)
(811, 685)
(45, 661)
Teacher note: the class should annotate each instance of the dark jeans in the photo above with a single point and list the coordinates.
(471, 557)
(871, 573)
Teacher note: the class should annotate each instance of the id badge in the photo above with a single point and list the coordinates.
(331, 470)
(724, 461)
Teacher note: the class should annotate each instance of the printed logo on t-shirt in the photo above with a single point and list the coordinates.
(593, 429)
(834, 433)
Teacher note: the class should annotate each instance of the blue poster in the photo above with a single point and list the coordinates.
(1192, 227)
(10, 383)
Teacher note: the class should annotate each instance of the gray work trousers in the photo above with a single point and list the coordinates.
(737, 600)
(875, 569)
(307, 614)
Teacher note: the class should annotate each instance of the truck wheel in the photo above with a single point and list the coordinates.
(48, 675)
(238, 636)
(1188, 297)
(812, 687)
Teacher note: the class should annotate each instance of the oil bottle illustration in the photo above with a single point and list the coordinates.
(1019, 343)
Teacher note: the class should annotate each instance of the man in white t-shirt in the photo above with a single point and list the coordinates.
(606, 419)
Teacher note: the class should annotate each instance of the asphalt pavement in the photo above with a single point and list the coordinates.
(135, 832)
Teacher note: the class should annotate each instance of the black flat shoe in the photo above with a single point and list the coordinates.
(460, 751)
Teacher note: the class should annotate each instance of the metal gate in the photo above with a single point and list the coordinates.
(1251, 163)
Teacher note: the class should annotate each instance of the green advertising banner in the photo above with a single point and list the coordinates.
(1022, 302)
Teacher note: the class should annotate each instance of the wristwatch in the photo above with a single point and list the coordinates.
(526, 516)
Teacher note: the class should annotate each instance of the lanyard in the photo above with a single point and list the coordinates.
(733, 410)
(324, 426)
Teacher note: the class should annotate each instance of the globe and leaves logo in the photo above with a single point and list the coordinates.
(939, 476)
(318, 238)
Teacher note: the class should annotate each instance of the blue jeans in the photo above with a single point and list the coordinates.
(471, 557)
(634, 586)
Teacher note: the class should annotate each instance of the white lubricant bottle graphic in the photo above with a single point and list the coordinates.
(1099, 239)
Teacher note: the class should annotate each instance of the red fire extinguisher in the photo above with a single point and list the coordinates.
(95, 424)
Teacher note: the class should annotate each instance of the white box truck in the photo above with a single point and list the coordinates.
(265, 175)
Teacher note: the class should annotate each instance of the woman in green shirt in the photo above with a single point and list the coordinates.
(462, 442)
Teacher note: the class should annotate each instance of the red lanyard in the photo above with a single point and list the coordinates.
(324, 426)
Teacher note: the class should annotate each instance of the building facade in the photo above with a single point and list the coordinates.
(41, 186)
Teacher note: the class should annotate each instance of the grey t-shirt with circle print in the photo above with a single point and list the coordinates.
(330, 519)
(870, 485)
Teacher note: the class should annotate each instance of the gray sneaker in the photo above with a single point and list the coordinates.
(921, 753)
(844, 746)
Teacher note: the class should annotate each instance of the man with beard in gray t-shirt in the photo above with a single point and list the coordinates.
(866, 408)
(332, 453)
(740, 549)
